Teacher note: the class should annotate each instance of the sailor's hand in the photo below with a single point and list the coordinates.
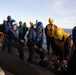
(40, 49)
(23, 42)
(64, 63)
(35, 47)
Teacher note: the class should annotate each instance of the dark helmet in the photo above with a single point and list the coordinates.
(4, 20)
(20, 22)
(24, 23)
(13, 21)
(9, 17)
(40, 25)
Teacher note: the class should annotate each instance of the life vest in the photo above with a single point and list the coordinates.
(50, 30)
(61, 44)
(36, 36)
(15, 32)
(21, 30)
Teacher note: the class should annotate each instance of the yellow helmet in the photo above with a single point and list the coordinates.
(58, 33)
(31, 22)
(50, 20)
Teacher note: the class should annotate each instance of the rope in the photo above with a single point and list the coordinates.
(2, 37)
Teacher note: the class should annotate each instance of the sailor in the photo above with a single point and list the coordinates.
(49, 32)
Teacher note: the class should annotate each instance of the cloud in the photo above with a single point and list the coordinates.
(67, 22)
(58, 5)
(54, 5)
(61, 7)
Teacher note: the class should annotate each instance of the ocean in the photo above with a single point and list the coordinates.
(44, 38)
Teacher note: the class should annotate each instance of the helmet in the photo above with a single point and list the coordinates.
(20, 22)
(58, 33)
(50, 20)
(24, 22)
(13, 21)
(31, 22)
(4, 20)
(40, 25)
(9, 17)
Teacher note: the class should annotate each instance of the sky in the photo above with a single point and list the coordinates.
(62, 11)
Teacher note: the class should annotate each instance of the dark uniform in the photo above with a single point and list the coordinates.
(71, 69)
(49, 32)
(13, 38)
(35, 38)
(17, 43)
(6, 30)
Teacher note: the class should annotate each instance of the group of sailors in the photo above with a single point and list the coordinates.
(60, 42)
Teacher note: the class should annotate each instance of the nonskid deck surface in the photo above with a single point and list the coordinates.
(12, 65)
